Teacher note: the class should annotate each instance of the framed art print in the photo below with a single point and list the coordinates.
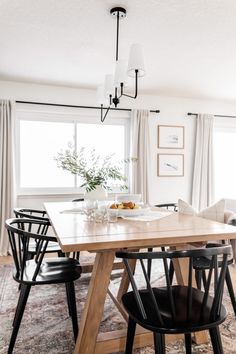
(170, 137)
(170, 165)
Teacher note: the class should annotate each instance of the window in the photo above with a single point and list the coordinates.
(224, 158)
(39, 142)
(41, 135)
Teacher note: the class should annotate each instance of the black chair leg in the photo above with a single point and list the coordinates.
(149, 265)
(18, 307)
(230, 289)
(30, 256)
(171, 271)
(77, 256)
(204, 278)
(68, 298)
(188, 343)
(130, 336)
(25, 290)
(216, 340)
(159, 343)
(72, 307)
(61, 254)
(198, 277)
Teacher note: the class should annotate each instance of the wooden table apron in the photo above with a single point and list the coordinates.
(74, 233)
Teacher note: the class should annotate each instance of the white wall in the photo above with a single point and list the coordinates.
(173, 111)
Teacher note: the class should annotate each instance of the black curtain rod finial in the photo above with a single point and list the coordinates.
(215, 115)
(192, 114)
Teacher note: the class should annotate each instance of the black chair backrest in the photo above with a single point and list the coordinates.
(215, 273)
(20, 236)
(169, 206)
(30, 213)
(35, 214)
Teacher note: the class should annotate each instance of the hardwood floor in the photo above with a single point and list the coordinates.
(6, 260)
(9, 259)
(232, 268)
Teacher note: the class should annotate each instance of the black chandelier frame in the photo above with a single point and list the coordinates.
(118, 12)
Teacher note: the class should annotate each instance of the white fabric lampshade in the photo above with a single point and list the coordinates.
(101, 99)
(136, 61)
(120, 73)
(108, 85)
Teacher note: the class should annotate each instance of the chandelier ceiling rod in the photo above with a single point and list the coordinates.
(117, 35)
(135, 69)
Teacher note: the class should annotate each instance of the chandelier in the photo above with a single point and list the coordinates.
(112, 90)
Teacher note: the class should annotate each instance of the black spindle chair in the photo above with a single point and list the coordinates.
(37, 214)
(202, 264)
(168, 206)
(39, 270)
(171, 309)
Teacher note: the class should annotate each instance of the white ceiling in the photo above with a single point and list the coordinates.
(189, 45)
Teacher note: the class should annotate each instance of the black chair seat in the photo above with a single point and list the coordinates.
(199, 320)
(52, 271)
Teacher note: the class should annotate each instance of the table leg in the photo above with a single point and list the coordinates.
(93, 311)
(124, 284)
(123, 288)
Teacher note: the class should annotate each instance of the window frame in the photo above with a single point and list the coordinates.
(67, 115)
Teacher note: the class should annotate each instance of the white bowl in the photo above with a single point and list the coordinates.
(129, 212)
(134, 198)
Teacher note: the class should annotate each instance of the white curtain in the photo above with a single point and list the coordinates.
(7, 185)
(140, 151)
(203, 181)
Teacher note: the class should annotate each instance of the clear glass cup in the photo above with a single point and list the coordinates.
(101, 213)
(112, 215)
(89, 207)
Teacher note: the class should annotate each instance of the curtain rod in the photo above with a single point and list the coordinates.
(74, 106)
(215, 115)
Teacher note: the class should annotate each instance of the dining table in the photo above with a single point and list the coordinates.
(76, 233)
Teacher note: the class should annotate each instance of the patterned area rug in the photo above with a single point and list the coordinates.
(46, 326)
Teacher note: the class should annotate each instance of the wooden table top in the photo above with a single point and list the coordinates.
(75, 233)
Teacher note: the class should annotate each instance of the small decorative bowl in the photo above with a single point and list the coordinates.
(134, 198)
